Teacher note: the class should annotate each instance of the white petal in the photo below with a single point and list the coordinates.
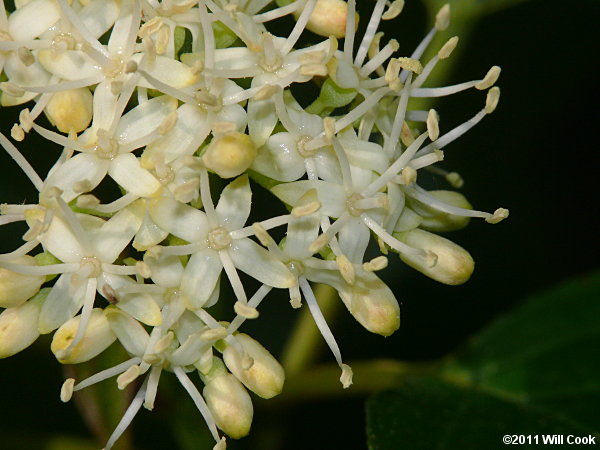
(99, 15)
(144, 118)
(179, 219)
(234, 204)
(61, 242)
(31, 20)
(82, 168)
(69, 65)
(302, 231)
(126, 170)
(141, 307)
(233, 114)
(331, 196)
(279, 158)
(105, 103)
(170, 71)
(120, 37)
(148, 235)
(262, 117)
(235, 58)
(166, 270)
(62, 303)
(118, 231)
(353, 239)
(257, 262)
(200, 277)
(132, 336)
(190, 130)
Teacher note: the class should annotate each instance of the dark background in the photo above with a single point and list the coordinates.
(536, 155)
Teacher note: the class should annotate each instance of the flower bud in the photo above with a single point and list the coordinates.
(439, 221)
(16, 288)
(230, 404)
(70, 110)
(97, 338)
(264, 377)
(329, 18)
(454, 264)
(19, 325)
(230, 155)
(372, 304)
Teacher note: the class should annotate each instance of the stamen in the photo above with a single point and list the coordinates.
(105, 374)
(350, 30)
(293, 37)
(400, 247)
(380, 58)
(277, 12)
(245, 311)
(376, 264)
(258, 297)
(346, 269)
(16, 155)
(369, 33)
(150, 395)
(133, 409)
(321, 323)
(128, 376)
(234, 278)
(198, 401)
(490, 78)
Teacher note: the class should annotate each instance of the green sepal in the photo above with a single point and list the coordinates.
(46, 259)
(331, 97)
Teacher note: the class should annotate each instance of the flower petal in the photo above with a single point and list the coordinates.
(62, 303)
(257, 262)
(331, 196)
(118, 231)
(144, 119)
(126, 170)
(234, 204)
(179, 219)
(200, 277)
(279, 158)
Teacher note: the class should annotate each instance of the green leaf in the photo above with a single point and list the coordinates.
(437, 415)
(534, 371)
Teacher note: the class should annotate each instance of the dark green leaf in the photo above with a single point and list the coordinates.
(534, 371)
(436, 415)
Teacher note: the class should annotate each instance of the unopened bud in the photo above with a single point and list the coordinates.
(19, 325)
(70, 110)
(16, 288)
(230, 405)
(372, 304)
(454, 264)
(265, 377)
(97, 338)
(230, 155)
(329, 18)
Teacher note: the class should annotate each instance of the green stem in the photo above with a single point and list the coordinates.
(322, 382)
(300, 350)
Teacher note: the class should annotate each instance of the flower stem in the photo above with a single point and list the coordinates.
(301, 348)
(322, 382)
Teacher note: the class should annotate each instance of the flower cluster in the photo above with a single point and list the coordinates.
(160, 97)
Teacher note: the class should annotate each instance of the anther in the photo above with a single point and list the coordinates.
(376, 264)
(26, 56)
(245, 310)
(442, 18)
(66, 391)
(433, 127)
(393, 10)
(128, 376)
(305, 210)
(346, 269)
(410, 64)
(448, 48)
(490, 78)
(492, 99)
(499, 215)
